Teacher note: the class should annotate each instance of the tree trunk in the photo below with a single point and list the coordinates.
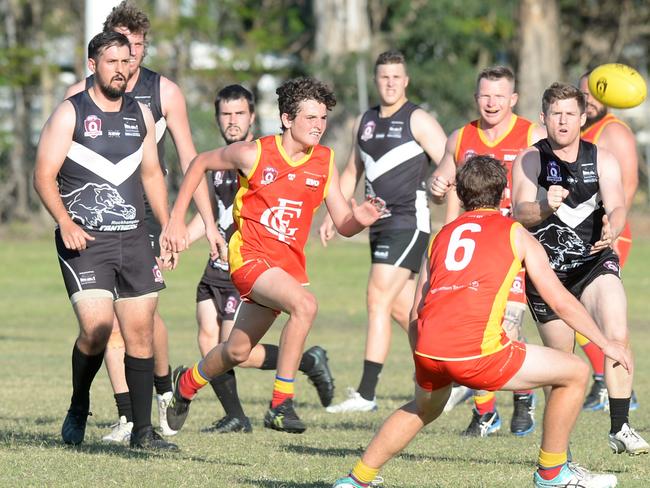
(540, 62)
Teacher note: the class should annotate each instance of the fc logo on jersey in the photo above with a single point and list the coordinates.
(269, 175)
(368, 130)
(553, 173)
(277, 220)
(92, 126)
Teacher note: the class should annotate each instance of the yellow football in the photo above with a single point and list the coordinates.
(617, 85)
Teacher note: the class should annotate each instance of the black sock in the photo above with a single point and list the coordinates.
(619, 409)
(306, 362)
(369, 379)
(84, 369)
(225, 386)
(163, 384)
(123, 402)
(139, 377)
(270, 356)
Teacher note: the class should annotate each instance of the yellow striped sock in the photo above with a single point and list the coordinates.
(363, 472)
(548, 460)
(581, 340)
(481, 399)
(197, 376)
(283, 385)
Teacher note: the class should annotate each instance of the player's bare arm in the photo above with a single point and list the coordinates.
(567, 307)
(349, 218)
(348, 181)
(442, 179)
(421, 291)
(53, 146)
(429, 134)
(611, 191)
(531, 203)
(174, 110)
(620, 141)
(240, 156)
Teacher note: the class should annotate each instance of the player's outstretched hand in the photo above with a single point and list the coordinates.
(606, 237)
(369, 211)
(326, 231)
(555, 196)
(73, 236)
(620, 354)
(174, 237)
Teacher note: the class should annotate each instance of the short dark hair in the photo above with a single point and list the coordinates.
(297, 90)
(127, 15)
(562, 91)
(390, 57)
(495, 73)
(103, 41)
(480, 182)
(231, 93)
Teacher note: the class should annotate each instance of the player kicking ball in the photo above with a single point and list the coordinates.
(473, 260)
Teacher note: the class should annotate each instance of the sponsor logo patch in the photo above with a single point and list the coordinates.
(157, 274)
(368, 130)
(269, 175)
(231, 304)
(553, 173)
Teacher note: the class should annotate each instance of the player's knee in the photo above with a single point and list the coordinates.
(306, 307)
(95, 339)
(580, 370)
(618, 334)
(237, 354)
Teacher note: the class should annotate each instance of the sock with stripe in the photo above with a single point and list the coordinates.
(549, 464)
(282, 389)
(192, 381)
(485, 403)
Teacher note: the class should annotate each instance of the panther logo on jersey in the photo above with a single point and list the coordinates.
(89, 204)
(277, 220)
(563, 243)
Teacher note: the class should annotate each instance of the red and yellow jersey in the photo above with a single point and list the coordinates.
(592, 133)
(472, 264)
(275, 204)
(472, 141)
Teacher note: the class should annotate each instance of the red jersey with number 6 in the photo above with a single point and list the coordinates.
(275, 204)
(472, 263)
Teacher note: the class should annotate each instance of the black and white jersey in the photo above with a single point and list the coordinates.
(147, 92)
(395, 169)
(99, 181)
(568, 234)
(225, 185)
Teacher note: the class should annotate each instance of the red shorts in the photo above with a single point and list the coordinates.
(246, 276)
(485, 373)
(623, 244)
(518, 289)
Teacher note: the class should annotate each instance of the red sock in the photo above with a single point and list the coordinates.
(596, 358)
(485, 403)
(549, 473)
(282, 389)
(191, 381)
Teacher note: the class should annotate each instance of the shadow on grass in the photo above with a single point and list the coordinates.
(284, 484)
(13, 439)
(342, 452)
(360, 424)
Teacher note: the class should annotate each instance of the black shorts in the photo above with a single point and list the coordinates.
(403, 248)
(119, 262)
(575, 281)
(225, 297)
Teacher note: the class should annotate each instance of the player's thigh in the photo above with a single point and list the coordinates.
(605, 300)
(207, 317)
(557, 334)
(136, 315)
(544, 366)
(385, 282)
(403, 303)
(251, 323)
(278, 290)
(94, 308)
(430, 404)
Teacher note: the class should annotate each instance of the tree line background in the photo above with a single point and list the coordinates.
(204, 45)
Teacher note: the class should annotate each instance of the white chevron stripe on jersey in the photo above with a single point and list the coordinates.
(390, 160)
(115, 173)
(161, 127)
(573, 217)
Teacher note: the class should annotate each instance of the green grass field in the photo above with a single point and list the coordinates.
(38, 329)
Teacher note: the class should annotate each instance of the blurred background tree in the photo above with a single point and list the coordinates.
(204, 45)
